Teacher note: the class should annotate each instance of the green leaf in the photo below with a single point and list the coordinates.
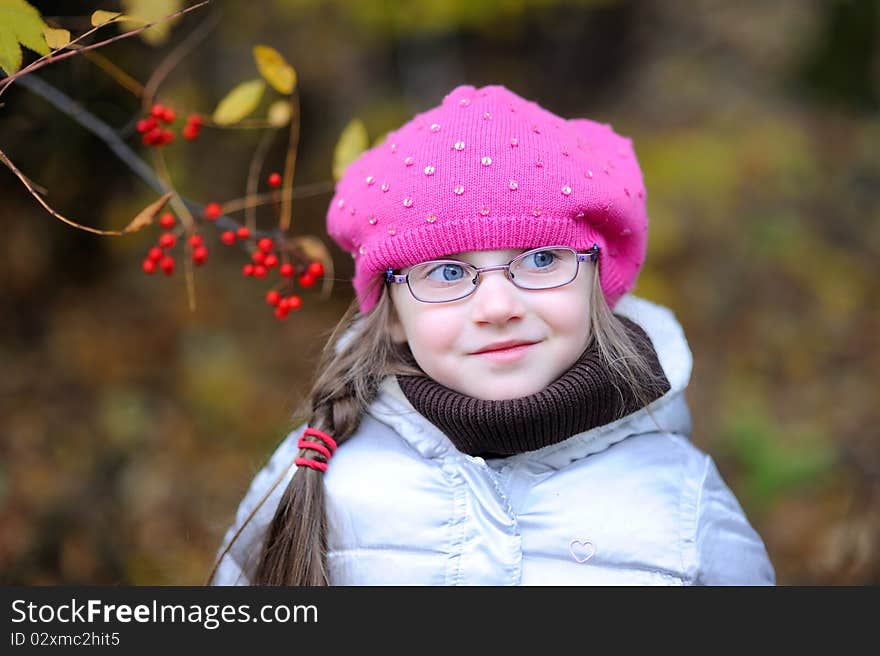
(239, 102)
(352, 142)
(19, 24)
(274, 69)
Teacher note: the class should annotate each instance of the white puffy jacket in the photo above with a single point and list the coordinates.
(621, 503)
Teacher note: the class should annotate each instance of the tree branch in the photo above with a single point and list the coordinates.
(127, 156)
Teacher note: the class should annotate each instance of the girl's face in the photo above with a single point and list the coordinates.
(443, 337)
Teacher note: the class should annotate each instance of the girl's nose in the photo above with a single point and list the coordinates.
(496, 298)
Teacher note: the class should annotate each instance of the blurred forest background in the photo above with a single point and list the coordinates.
(130, 427)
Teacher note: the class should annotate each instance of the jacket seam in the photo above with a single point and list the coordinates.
(514, 529)
(457, 528)
(694, 528)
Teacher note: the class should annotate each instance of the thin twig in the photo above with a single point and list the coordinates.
(253, 179)
(124, 80)
(305, 191)
(46, 206)
(173, 58)
(187, 219)
(290, 163)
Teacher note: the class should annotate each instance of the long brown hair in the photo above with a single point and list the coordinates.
(294, 550)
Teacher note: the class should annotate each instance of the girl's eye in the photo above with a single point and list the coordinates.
(447, 273)
(541, 259)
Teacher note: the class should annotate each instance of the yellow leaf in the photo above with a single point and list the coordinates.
(239, 102)
(148, 11)
(274, 69)
(145, 216)
(100, 17)
(352, 142)
(56, 38)
(279, 113)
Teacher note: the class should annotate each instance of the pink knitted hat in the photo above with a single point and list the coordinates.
(489, 170)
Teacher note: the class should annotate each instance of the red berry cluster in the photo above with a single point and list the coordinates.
(153, 134)
(160, 256)
(264, 258)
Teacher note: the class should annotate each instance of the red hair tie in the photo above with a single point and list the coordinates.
(303, 443)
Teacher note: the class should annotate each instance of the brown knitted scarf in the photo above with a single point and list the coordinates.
(587, 395)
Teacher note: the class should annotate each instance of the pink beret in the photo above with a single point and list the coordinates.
(489, 170)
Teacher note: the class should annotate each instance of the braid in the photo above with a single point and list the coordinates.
(294, 550)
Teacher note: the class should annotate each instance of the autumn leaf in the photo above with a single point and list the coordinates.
(149, 11)
(312, 247)
(146, 216)
(274, 69)
(279, 113)
(239, 102)
(19, 24)
(100, 17)
(56, 38)
(352, 142)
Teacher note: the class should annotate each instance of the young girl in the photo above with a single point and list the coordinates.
(500, 411)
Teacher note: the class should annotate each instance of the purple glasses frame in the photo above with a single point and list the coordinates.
(592, 253)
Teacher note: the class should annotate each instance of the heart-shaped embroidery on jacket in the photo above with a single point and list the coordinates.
(586, 546)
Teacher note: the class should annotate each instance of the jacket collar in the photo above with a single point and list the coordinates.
(392, 408)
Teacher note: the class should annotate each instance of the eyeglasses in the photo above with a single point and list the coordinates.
(442, 281)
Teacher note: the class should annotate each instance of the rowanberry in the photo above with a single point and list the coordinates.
(265, 244)
(316, 269)
(157, 110)
(260, 271)
(155, 254)
(243, 233)
(195, 240)
(213, 211)
(228, 238)
(247, 270)
(294, 302)
(153, 137)
(167, 265)
(306, 280)
(280, 312)
(190, 132)
(149, 266)
(166, 220)
(273, 297)
(167, 137)
(167, 240)
(259, 257)
(146, 124)
(195, 119)
(200, 254)
(274, 180)
(168, 115)
(271, 261)
(286, 270)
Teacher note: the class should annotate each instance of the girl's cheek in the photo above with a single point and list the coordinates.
(438, 331)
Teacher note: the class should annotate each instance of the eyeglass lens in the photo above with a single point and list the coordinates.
(439, 280)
